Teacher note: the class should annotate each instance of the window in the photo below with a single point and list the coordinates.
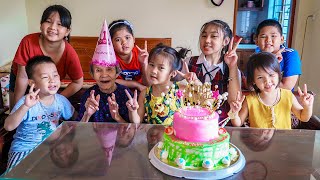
(281, 11)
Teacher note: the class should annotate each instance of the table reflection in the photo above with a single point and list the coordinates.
(120, 151)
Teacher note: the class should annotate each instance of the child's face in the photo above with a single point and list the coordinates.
(266, 81)
(212, 40)
(269, 39)
(159, 70)
(46, 78)
(52, 29)
(123, 42)
(125, 133)
(105, 77)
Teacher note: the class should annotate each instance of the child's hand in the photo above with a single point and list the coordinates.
(132, 103)
(32, 98)
(143, 54)
(231, 56)
(306, 98)
(236, 105)
(92, 103)
(189, 76)
(279, 55)
(113, 107)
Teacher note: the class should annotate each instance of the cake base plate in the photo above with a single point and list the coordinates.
(198, 174)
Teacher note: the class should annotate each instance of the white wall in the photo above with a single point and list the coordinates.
(179, 19)
(311, 54)
(13, 26)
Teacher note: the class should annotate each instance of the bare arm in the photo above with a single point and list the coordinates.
(136, 107)
(238, 110)
(289, 82)
(21, 83)
(231, 59)
(304, 110)
(72, 88)
(14, 119)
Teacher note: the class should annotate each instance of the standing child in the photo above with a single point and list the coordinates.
(131, 58)
(217, 62)
(270, 39)
(159, 100)
(101, 102)
(37, 114)
(55, 26)
(269, 106)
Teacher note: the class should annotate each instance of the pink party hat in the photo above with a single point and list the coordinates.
(104, 54)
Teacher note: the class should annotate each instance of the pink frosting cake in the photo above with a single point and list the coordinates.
(195, 124)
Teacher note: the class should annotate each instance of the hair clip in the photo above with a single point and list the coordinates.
(122, 22)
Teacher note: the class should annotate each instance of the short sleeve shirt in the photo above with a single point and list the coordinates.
(39, 122)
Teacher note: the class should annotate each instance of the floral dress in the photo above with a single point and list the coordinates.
(160, 110)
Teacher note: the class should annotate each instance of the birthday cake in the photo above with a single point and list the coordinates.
(196, 142)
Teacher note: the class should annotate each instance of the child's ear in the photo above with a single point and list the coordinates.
(30, 82)
(174, 73)
(282, 39)
(68, 32)
(226, 41)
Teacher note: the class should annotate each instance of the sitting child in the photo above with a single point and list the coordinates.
(36, 115)
(269, 106)
(158, 101)
(270, 39)
(101, 102)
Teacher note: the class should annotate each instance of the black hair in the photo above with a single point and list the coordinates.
(269, 22)
(261, 60)
(227, 32)
(34, 61)
(175, 56)
(120, 24)
(64, 13)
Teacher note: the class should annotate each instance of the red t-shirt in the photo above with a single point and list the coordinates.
(133, 70)
(69, 63)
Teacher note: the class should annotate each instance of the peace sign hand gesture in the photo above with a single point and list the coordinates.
(189, 76)
(32, 98)
(236, 105)
(132, 103)
(92, 103)
(143, 54)
(113, 107)
(306, 98)
(231, 56)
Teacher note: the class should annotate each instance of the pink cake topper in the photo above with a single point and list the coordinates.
(104, 54)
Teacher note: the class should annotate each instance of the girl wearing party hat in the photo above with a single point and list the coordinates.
(101, 102)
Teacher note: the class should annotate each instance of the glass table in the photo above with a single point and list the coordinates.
(120, 151)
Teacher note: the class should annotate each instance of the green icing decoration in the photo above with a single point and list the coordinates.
(194, 153)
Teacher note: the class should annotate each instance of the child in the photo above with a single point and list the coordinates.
(132, 59)
(64, 150)
(257, 140)
(214, 65)
(269, 106)
(37, 114)
(126, 133)
(270, 39)
(55, 29)
(159, 100)
(101, 102)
